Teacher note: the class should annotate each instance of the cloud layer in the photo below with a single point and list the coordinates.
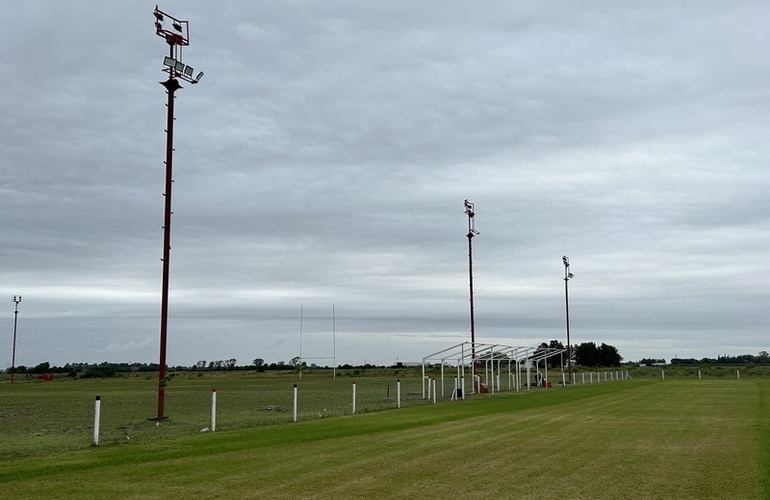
(323, 162)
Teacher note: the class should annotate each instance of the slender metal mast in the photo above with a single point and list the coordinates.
(15, 299)
(567, 276)
(469, 211)
(176, 34)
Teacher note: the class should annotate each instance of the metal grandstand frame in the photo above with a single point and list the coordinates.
(493, 357)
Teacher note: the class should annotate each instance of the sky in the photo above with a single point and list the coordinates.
(322, 163)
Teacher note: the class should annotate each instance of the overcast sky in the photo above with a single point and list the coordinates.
(322, 163)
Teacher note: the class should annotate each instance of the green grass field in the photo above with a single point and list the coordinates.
(38, 417)
(631, 439)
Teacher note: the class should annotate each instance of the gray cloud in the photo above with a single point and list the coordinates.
(324, 158)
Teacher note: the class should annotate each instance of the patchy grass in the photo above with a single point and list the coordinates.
(38, 417)
(673, 439)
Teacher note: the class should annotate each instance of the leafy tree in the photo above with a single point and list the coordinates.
(609, 355)
(41, 368)
(587, 354)
(655, 361)
(553, 361)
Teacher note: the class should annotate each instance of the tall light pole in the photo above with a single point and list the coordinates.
(567, 276)
(177, 35)
(469, 211)
(15, 299)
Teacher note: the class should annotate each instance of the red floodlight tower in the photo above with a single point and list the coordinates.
(470, 212)
(177, 34)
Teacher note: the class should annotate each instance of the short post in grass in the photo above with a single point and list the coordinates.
(97, 417)
(738, 373)
(354, 397)
(398, 393)
(295, 402)
(434, 391)
(213, 409)
(699, 377)
(462, 385)
(663, 374)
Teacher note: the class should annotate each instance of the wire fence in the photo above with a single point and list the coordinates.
(38, 416)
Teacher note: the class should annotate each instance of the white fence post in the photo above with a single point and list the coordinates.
(354, 397)
(213, 409)
(97, 417)
(434, 391)
(738, 372)
(295, 402)
(398, 392)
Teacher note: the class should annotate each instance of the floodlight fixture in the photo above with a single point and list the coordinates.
(178, 69)
(178, 33)
(469, 211)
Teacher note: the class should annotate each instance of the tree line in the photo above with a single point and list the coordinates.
(587, 354)
(106, 370)
(763, 358)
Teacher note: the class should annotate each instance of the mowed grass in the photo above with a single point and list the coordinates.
(633, 439)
